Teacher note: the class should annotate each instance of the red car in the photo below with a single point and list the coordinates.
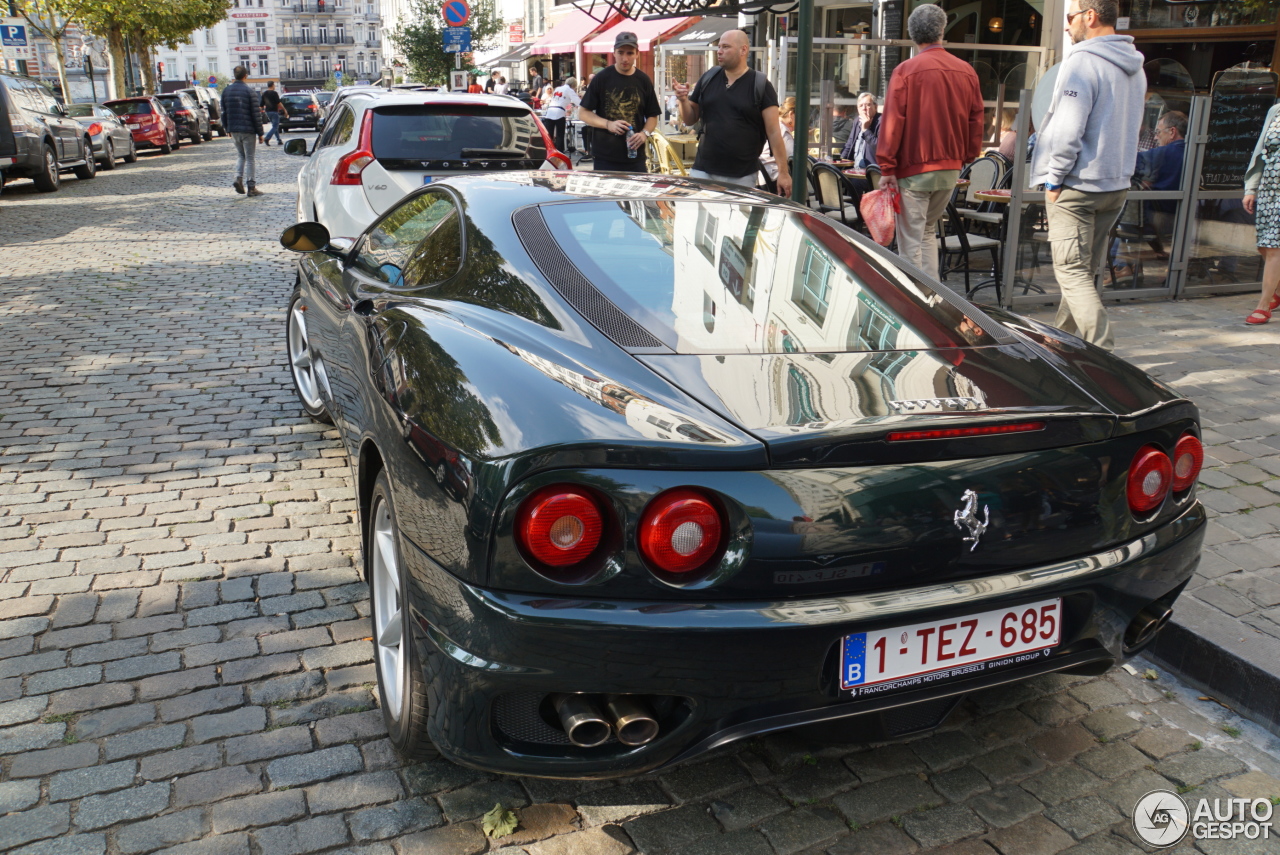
(149, 122)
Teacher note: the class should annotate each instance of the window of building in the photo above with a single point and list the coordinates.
(810, 290)
(264, 63)
(339, 31)
(242, 34)
(212, 64)
(191, 69)
(341, 62)
(306, 66)
(210, 38)
(260, 33)
(360, 63)
(306, 34)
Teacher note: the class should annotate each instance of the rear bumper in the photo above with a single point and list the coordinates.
(741, 668)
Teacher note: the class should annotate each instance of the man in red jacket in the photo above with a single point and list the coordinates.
(932, 126)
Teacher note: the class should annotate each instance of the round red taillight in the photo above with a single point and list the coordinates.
(559, 526)
(680, 531)
(1188, 456)
(95, 129)
(1150, 475)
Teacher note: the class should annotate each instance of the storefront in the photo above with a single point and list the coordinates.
(598, 50)
(562, 44)
(1205, 38)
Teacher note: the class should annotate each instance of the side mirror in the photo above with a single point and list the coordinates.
(296, 146)
(305, 237)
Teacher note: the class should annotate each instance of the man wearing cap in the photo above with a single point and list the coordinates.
(621, 102)
(739, 112)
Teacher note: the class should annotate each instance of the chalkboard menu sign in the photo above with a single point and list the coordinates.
(1240, 100)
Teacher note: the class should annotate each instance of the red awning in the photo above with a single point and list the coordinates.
(565, 36)
(647, 33)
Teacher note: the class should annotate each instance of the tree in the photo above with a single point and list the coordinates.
(51, 19)
(147, 24)
(421, 39)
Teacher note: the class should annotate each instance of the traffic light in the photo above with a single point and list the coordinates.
(160, 70)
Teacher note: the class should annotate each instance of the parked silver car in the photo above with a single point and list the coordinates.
(107, 133)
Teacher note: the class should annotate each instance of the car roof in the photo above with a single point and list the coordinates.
(520, 189)
(395, 98)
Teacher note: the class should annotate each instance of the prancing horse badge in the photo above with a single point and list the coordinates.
(967, 518)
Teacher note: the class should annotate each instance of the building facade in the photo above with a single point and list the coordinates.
(300, 44)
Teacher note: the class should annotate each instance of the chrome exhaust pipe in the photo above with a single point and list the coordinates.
(582, 720)
(632, 720)
(1145, 626)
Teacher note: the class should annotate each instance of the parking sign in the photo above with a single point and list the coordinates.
(13, 40)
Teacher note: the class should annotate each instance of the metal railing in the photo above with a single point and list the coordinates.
(316, 8)
(315, 40)
(290, 74)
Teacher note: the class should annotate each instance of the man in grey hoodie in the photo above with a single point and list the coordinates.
(1085, 156)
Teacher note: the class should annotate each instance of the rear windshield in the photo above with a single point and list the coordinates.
(173, 102)
(713, 277)
(79, 111)
(414, 136)
(297, 100)
(131, 108)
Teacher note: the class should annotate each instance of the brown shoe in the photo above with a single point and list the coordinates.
(238, 186)
(254, 191)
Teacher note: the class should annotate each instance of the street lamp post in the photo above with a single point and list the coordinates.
(804, 63)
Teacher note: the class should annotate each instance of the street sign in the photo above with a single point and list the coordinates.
(213, 81)
(13, 35)
(456, 12)
(337, 75)
(13, 40)
(458, 80)
(457, 39)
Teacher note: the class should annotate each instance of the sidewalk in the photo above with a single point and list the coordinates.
(1225, 632)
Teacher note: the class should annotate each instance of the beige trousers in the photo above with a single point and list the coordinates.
(1079, 227)
(917, 227)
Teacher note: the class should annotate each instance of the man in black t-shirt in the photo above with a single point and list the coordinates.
(270, 102)
(621, 102)
(735, 120)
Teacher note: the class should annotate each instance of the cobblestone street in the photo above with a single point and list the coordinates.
(185, 661)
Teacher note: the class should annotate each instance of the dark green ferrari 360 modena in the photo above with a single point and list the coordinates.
(647, 465)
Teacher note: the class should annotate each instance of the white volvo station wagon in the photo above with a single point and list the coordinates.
(375, 148)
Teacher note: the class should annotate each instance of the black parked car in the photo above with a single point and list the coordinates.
(208, 98)
(192, 119)
(107, 133)
(647, 465)
(37, 138)
(304, 109)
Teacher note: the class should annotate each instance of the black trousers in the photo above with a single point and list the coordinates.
(556, 128)
(634, 164)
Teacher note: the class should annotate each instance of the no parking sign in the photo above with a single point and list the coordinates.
(456, 12)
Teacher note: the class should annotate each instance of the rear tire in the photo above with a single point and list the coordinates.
(48, 180)
(195, 137)
(208, 135)
(402, 686)
(132, 155)
(165, 148)
(109, 158)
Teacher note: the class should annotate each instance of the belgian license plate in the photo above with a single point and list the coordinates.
(133, 127)
(924, 653)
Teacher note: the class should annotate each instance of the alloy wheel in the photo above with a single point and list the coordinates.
(388, 611)
(304, 372)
